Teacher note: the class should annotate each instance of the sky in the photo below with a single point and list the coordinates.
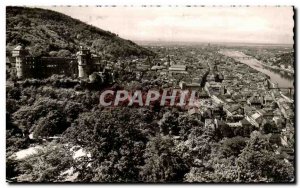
(191, 24)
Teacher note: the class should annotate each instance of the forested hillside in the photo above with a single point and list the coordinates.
(49, 33)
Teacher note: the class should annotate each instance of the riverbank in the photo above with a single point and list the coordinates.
(282, 80)
(278, 68)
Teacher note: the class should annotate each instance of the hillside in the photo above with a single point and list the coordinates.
(49, 33)
(285, 59)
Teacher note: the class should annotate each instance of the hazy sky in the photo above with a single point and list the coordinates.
(199, 24)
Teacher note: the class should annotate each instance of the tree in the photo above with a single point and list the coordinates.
(162, 163)
(258, 162)
(115, 141)
(39, 50)
(28, 115)
(169, 124)
(46, 165)
(53, 53)
(54, 123)
(15, 139)
(269, 127)
(233, 146)
(64, 53)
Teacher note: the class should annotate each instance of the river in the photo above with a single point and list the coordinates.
(283, 79)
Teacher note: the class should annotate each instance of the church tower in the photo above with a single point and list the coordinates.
(168, 61)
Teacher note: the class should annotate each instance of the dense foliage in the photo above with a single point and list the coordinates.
(50, 33)
(127, 144)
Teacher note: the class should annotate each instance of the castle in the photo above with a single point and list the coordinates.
(41, 67)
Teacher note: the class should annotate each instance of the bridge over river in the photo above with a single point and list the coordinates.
(239, 57)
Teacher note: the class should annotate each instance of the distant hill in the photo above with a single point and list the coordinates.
(49, 33)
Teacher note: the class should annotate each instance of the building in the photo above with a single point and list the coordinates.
(41, 67)
(192, 86)
(157, 67)
(181, 69)
(214, 88)
(21, 63)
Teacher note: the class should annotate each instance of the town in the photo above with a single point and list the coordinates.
(202, 95)
(231, 95)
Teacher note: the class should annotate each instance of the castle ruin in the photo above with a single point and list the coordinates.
(82, 66)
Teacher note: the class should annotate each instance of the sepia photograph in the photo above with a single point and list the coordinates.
(150, 94)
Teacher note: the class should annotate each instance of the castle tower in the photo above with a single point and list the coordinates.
(20, 54)
(84, 63)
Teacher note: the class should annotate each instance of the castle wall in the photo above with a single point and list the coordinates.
(56, 65)
(43, 67)
(31, 67)
(97, 64)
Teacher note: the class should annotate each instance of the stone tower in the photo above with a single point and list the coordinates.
(84, 63)
(20, 54)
